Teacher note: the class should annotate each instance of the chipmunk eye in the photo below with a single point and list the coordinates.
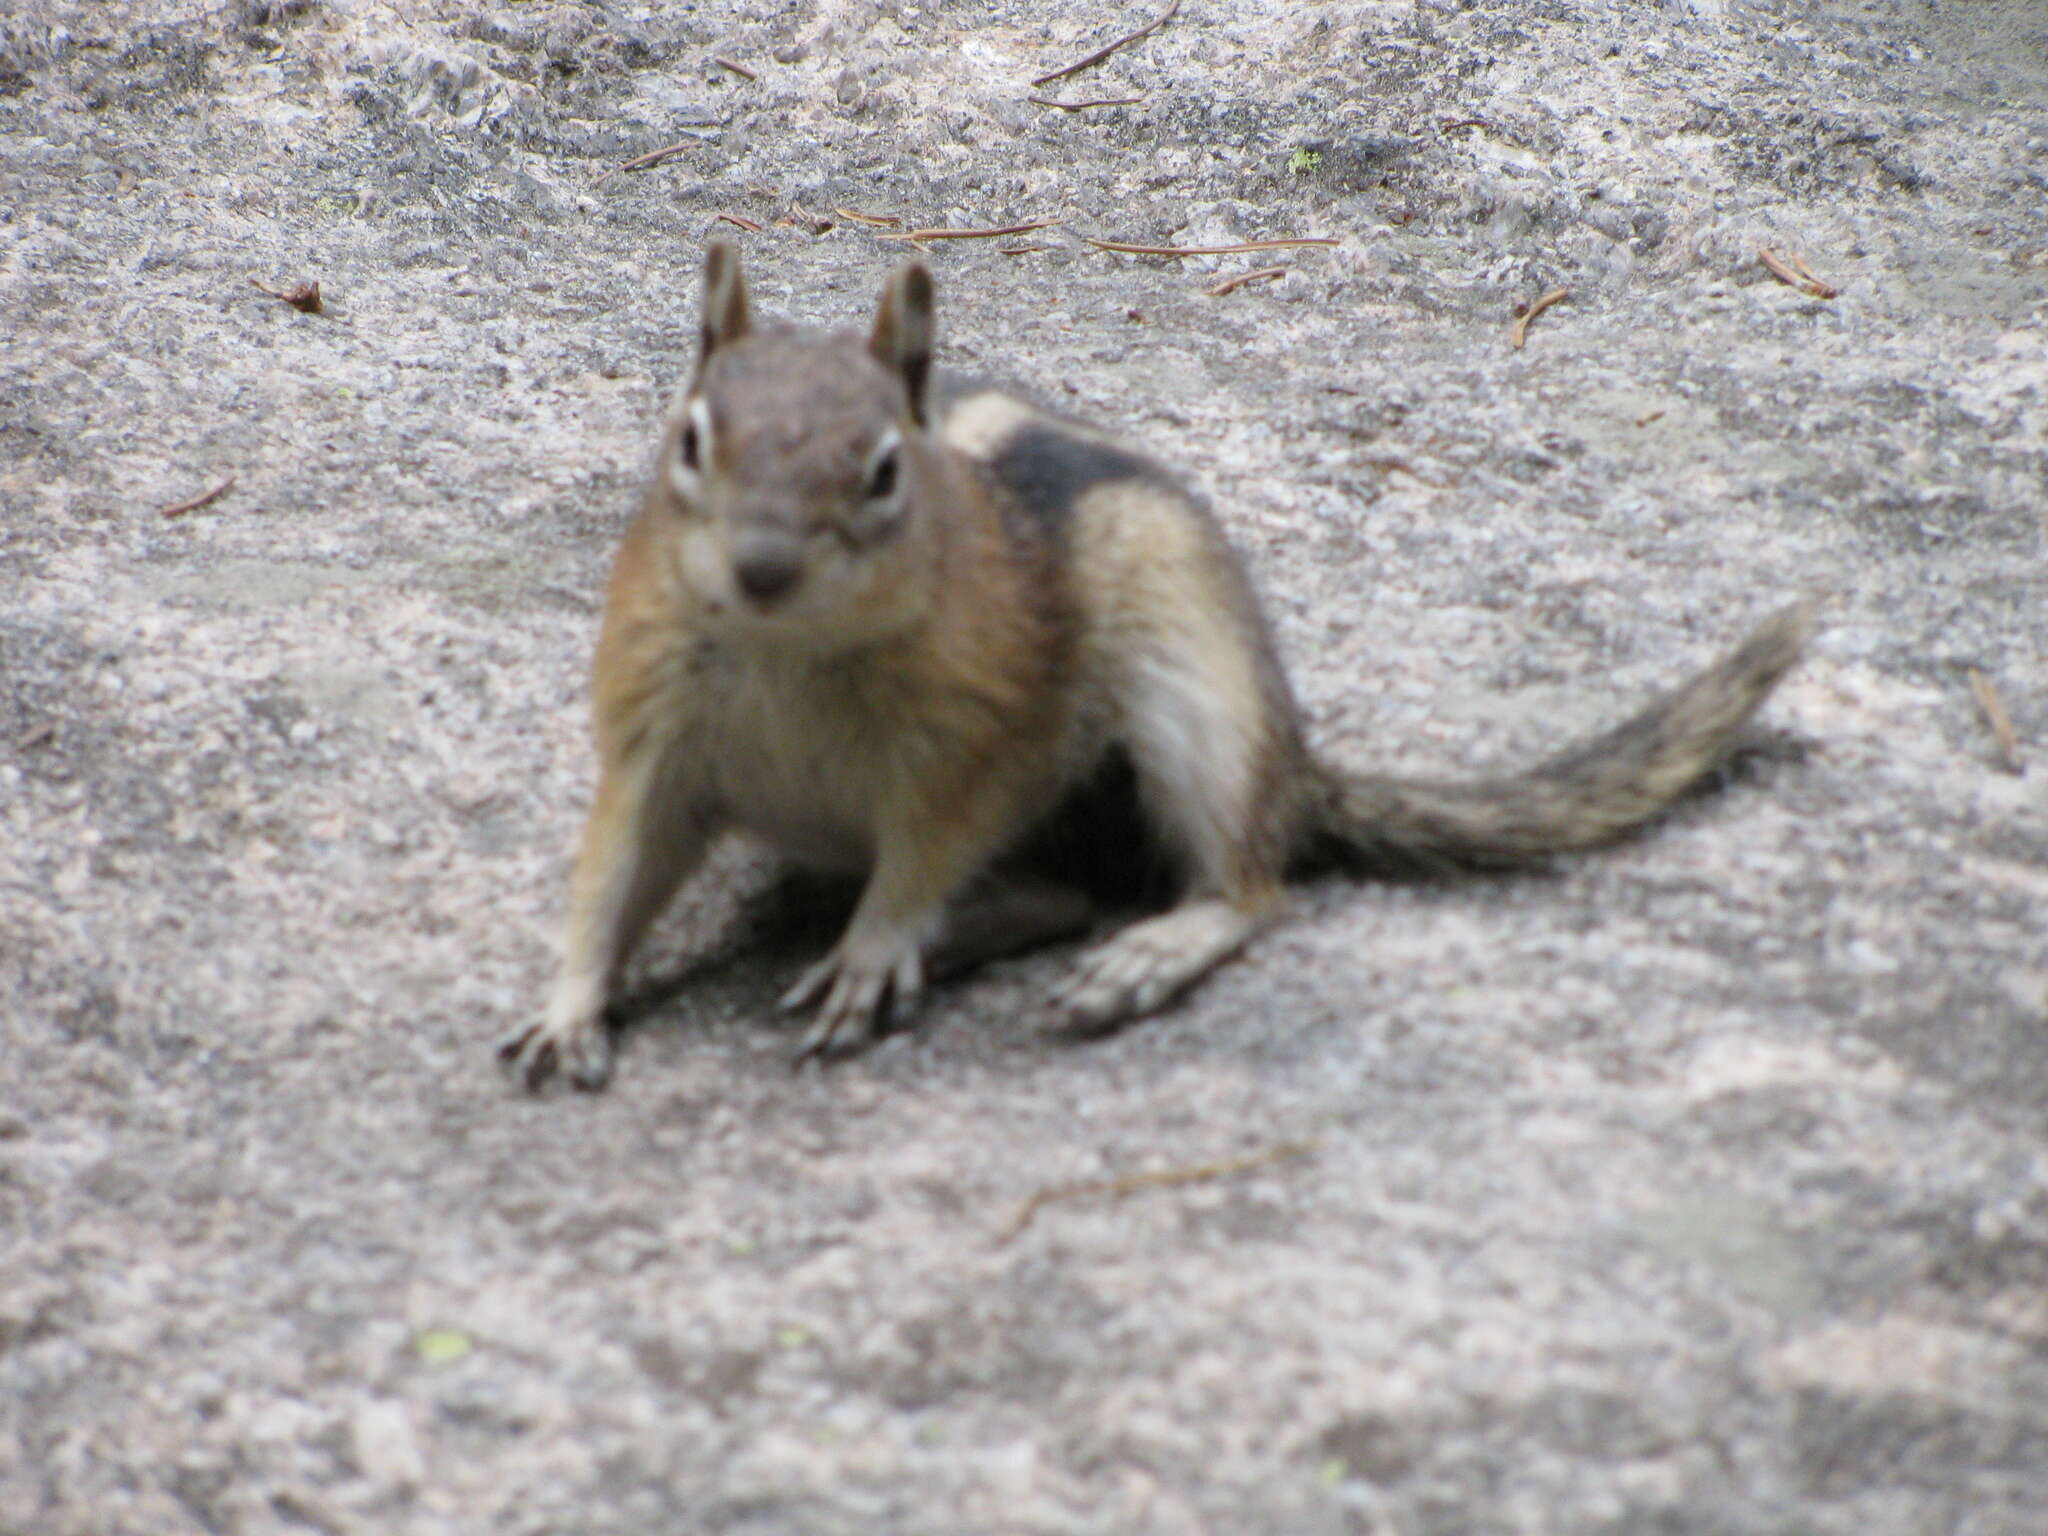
(694, 448)
(882, 478)
(693, 443)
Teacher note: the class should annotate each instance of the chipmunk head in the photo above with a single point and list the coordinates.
(790, 467)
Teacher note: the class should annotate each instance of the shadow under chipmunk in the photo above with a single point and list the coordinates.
(1097, 844)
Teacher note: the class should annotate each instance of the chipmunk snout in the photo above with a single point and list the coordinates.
(766, 565)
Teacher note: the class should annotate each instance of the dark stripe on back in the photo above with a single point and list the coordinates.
(1046, 471)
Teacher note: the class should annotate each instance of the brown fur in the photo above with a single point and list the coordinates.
(894, 635)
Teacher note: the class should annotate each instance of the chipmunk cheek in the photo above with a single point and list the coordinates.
(704, 568)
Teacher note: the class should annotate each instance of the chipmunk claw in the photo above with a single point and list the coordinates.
(583, 1047)
(859, 1000)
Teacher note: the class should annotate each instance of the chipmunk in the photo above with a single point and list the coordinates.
(894, 628)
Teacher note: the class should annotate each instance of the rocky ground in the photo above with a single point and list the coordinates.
(1701, 1186)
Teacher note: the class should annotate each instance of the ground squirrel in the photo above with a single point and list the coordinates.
(903, 630)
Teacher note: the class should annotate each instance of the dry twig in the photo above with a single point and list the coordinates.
(1102, 53)
(1020, 250)
(1649, 416)
(1520, 333)
(304, 297)
(1794, 273)
(1999, 721)
(1083, 106)
(1800, 266)
(1162, 1178)
(742, 221)
(1386, 464)
(737, 68)
(887, 220)
(1205, 250)
(652, 157)
(1232, 284)
(206, 499)
(971, 234)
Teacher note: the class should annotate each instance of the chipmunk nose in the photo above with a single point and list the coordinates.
(766, 566)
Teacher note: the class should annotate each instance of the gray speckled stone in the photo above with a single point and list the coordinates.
(1697, 1187)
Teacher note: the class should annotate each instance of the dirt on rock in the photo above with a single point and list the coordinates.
(1700, 1186)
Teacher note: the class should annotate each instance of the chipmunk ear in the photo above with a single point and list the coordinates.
(723, 319)
(902, 338)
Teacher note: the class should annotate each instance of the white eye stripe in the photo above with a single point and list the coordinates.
(700, 420)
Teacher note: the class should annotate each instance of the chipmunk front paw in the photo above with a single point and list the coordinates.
(861, 992)
(581, 1045)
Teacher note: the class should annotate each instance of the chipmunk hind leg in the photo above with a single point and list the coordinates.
(1206, 787)
(1209, 730)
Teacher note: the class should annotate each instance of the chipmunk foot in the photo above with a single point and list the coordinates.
(857, 993)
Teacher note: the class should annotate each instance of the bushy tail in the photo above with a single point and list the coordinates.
(1593, 793)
